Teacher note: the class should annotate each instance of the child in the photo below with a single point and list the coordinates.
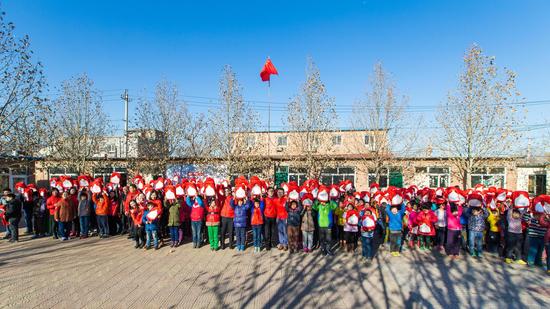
(325, 209)
(197, 213)
(282, 216)
(425, 221)
(395, 216)
(241, 209)
(39, 214)
(368, 225)
(101, 202)
(151, 226)
(308, 227)
(413, 228)
(257, 222)
(50, 204)
(535, 238)
(351, 217)
(493, 234)
(514, 237)
(440, 226)
(64, 215)
(84, 212)
(340, 221)
(476, 227)
(212, 223)
(454, 229)
(545, 222)
(136, 213)
(173, 207)
(293, 225)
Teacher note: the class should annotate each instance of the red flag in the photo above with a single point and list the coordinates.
(267, 70)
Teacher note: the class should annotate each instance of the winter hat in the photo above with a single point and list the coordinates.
(293, 194)
(84, 181)
(170, 192)
(374, 188)
(240, 191)
(453, 195)
(209, 187)
(191, 189)
(115, 178)
(475, 199)
(334, 192)
(395, 197)
(180, 191)
(501, 195)
(541, 204)
(323, 194)
(520, 199)
(307, 199)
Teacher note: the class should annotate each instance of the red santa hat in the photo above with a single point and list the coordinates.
(53, 182)
(323, 194)
(96, 186)
(20, 187)
(240, 191)
(395, 197)
(115, 178)
(147, 189)
(307, 199)
(475, 199)
(84, 181)
(426, 194)
(221, 190)
(66, 182)
(365, 196)
(158, 184)
(179, 190)
(374, 187)
(255, 186)
(453, 194)
(175, 179)
(42, 192)
(153, 214)
(346, 185)
(501, 195)
(138, 181)
(241, 181)
(191, 189)
(334, 192)
(293, 192)
(520, 199)
(209, 187)
(170, 192)
(541, 204)
(27, 194)
(479, 187)
(490, 200)
(225, 183)
(368, 221)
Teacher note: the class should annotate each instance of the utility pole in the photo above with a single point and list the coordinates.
(126, 101)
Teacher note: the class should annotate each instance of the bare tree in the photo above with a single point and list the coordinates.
(312, 119)
(22, 109)
(479, 118)
(381, 114)
(230, 125)
(78, 125)
(173, 131)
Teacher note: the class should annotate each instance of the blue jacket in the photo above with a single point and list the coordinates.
(294, 216)
(149, 226)
(395, 222)
(241, 212)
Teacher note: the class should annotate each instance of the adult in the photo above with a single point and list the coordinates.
(13, 215)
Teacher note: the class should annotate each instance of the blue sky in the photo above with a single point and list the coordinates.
(133, 44)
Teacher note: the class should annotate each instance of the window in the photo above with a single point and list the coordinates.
(281, 174)
(537, 184)
(330, 176)
(111, 148)
(250, 141)
(368, 140)
(436, 176)
(489, 177)
(337, 140)
(297, 174)
(382, 177)
(282, 141)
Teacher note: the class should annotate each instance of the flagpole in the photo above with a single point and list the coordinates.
(268, 118)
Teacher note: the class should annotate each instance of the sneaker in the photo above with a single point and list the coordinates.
(305, 250)
(508, 261)
(397, 254)
(521, 262)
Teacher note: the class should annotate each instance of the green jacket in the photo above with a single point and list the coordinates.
(173, 213)
(325, 213)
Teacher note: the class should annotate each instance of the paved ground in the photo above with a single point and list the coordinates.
(110, 273)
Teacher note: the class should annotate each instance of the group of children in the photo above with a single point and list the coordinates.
(292, 217)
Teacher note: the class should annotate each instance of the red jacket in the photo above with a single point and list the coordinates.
(197, 211)
(425, 222)
(257, 218)
(281, 209)
(270, 210)
(227, 211)
(113, 208)
(213, 215)
(51, 202)
(137, 215)
(129, 197)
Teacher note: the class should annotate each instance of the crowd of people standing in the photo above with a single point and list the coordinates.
(288, 217)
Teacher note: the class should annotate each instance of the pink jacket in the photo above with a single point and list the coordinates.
(453, 222)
